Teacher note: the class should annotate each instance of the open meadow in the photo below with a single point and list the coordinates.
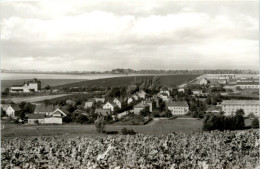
(159, 127)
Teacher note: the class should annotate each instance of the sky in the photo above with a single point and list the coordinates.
(104, 35)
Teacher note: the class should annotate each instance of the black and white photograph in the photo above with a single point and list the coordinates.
(129, 84)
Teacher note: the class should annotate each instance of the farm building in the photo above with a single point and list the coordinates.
(30, 86)
(103, 112)
(44, 109)
(100, 100)
(118, 102)
(36, 118)
(130, 100)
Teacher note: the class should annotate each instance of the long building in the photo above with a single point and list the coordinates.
(30, 86)
(249, 106)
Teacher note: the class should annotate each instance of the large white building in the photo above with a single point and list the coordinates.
(178, 108)
(31, 86)
(249, 106)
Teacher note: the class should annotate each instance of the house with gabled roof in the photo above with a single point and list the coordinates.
(141, 94)
(13, 110)
(110, 106)
(118, 102)
(89, 103)
(36, 118)
(130, 100)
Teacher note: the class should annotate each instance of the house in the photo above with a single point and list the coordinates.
(141, 94)
(163, 96)
(102, 100)
(150, 103)
(249, 106)
(181, 90)
(55, 117)
(118, 102)
(214, 109)
(30, 86)
(136, 97)
(36, 118)
(165, 90)
(203, 81)
(13, 110)
(178, 108)
(103, 112)
(110, 106)
(5, 106)
(197, 92)
(89, 103)
(130, 100)
(248, 85)
(139, 107)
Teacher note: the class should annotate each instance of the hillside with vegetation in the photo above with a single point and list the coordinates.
(164, 80)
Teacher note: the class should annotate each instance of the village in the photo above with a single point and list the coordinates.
(139, 103)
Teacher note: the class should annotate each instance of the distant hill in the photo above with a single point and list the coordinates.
(165, 80)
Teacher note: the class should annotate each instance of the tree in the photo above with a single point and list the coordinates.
(255, 123)
(5, 92)
(100, 124)
(48, 87)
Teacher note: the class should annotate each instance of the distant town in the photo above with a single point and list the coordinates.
(136, 103)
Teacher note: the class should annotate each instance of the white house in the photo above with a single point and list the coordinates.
(110, 106)
(178, 108)
(135, 97)
(100, 100)
(12, 110)
(163, 96)
(150, 103)
(89, 104)
(165, 90)
(203, 81)
(118, 102)
(130, 100)
(54, 117)
(181, 90)
(141, 94)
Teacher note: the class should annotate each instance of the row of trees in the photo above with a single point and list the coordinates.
(221, 122)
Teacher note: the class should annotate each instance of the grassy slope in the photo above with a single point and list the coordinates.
(165, 80)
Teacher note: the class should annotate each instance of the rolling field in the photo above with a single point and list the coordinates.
(33, 99)
(160, 127)
(165, 80)
(45, 82)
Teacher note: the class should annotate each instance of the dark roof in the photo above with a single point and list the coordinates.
(141, 105)
(179, 104)
(44, 108)
(103, 112)
(36, 116)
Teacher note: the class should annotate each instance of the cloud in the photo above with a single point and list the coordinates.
(98, 36)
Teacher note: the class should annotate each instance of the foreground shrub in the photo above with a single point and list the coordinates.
(126, 131)
(255, 123)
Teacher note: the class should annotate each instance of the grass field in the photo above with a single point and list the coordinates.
(34, 99)
(45, 82)
(160, 127)
(165, 80)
